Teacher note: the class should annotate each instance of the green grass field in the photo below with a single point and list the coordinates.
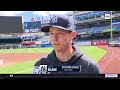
(27, 50)
(24, 68)
(27, 67)
(93, 52)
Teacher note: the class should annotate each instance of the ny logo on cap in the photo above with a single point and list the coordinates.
(54, 19)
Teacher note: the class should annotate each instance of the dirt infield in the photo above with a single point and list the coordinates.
(110, 63)
(13, 58)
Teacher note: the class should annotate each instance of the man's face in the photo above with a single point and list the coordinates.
(60, 39)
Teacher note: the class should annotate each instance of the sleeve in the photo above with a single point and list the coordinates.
(42, 61)
(94, 69)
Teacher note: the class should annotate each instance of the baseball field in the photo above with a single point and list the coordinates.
(21, 61)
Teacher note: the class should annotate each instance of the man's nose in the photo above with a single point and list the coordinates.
(55, 36)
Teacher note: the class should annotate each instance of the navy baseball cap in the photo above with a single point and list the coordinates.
(60, 21)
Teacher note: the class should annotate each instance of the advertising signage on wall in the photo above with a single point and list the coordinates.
(32, 30)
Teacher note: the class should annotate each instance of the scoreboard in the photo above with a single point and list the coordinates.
(11, 24)
(32, 25)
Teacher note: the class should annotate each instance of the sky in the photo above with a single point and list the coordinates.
(28, 15)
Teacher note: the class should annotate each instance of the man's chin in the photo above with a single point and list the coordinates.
(57, 49)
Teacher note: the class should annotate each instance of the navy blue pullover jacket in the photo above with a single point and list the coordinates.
(88, 66)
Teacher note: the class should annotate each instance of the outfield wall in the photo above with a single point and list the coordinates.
(9, 46)
(99, 42)
(92, 43)
(84, 43)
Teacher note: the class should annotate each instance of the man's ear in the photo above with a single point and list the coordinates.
(73, 34)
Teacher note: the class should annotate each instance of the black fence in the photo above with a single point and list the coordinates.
(9, 46)
(10, 40)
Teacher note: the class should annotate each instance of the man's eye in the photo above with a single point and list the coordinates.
(51, 33)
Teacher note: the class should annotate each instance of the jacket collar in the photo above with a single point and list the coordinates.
(52, 57)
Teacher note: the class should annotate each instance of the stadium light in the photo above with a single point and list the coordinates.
(107, 16)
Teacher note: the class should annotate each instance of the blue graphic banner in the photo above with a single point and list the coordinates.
(32, 25)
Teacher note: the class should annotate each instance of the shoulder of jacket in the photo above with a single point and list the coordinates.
(88, 59)
(92, 64)
(42, 61)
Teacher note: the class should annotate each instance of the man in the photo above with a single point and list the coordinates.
(62, 32)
